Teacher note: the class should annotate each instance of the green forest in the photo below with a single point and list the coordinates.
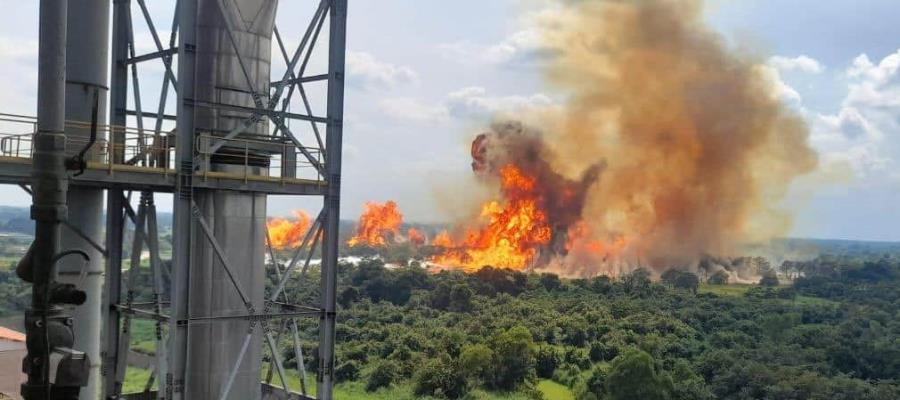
(831, 333)
(834, 333)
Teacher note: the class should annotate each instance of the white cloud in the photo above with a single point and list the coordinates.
(18, 75)
(858, 134)
(849, 139)
(521, 46)
(18, 50)
(366, 72)
(518, 46)
(800, 63)
(412, 110)
(850, 123)
(875, 86)
(469, 103)
(474, 102)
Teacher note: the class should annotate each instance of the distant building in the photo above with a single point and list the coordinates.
(12, 351)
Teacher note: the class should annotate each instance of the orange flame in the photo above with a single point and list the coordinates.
(285, 233)
(442, 240)
(415, 237)
(377, 221)
(511, 234)
(581, 241)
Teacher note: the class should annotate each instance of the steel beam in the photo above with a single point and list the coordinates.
(175, 381)
(115, 203)
(332, 203)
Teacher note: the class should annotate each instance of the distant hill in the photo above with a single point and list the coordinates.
(845, 247)
(16, 220)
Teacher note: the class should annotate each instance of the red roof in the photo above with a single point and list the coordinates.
(11, 335)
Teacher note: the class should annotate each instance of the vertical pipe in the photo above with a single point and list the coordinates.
(86, 75)
(115, 197)
(334, 134)
(49, 185)
(175, 380)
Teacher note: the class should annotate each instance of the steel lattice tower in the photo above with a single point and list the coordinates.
(231, 142)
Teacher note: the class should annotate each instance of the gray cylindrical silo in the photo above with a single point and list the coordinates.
(237, 218)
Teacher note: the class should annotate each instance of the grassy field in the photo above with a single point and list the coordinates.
(725, 290)
(137, 378)
(741, 289)
(555, 391)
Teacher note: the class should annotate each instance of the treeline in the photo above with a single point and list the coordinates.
(449, 335)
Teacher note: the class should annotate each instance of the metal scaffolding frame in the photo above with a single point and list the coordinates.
(148, 167)
(172, 359)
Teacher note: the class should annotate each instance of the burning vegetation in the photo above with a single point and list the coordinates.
(284, 233)
(668, 147)
(378, 224)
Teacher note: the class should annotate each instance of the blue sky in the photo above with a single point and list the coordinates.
(424, 76)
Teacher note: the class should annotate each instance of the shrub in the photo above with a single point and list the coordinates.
(769, 280)
(568, 375)
(439, 378)
(514, 360)
(718, 278)
(460, 298)
(475, 362)
(546, 362)
(347, 371)
(578, 358)
(601, 351)
(593, 388)
(633, 376)
(383, 375)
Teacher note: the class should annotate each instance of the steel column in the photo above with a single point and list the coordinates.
(115, 222)
(115, 204)
(175, 380)
(332, 204)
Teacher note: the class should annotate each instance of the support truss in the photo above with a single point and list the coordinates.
(164, 129)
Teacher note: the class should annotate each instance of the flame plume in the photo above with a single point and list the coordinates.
(442, 240)
(376, 222)
(285, 233)
(513, 231)
(415, 237)
(669, 146)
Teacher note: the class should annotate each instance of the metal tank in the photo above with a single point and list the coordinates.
(237, 218)
(87, 69)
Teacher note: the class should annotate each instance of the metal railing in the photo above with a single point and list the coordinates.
(259, 157)
(267, 158)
